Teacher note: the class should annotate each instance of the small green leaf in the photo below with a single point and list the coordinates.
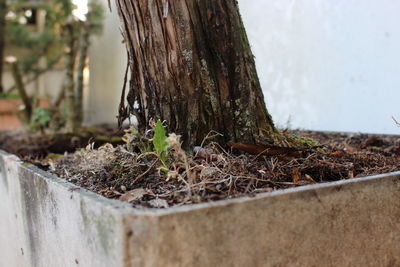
(159, 139)
(41, 118)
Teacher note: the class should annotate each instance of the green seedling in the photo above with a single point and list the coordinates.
(41, 118)
(161, 145)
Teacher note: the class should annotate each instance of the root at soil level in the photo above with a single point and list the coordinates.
(214, 173)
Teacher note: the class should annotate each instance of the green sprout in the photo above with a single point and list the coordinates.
(161, 145)
(41, 118)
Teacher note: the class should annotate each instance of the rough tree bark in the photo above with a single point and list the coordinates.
(72, 117)
(191, 64)
(3, 8)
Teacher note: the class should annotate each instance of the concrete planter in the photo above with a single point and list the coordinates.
(46, 221)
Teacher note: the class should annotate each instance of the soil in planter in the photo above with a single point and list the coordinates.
(36, 146)
(214, 173)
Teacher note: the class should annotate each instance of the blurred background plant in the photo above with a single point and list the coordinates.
(38, 36)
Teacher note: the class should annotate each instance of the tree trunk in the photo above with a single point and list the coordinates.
(72, 119)
(83, 55)
(191, 64)
(3, 11)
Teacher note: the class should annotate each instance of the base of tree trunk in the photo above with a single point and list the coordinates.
(191, 65)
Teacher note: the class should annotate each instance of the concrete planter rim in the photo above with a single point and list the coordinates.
(126, 207)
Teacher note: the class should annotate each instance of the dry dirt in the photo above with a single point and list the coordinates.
(215, 173)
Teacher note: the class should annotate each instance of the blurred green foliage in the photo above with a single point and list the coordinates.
(11, 95)
(41, 118)
(46, 41)
(36, 36)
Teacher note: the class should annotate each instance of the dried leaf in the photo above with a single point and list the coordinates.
(372, 141)
(261, 149)
(209, 172)
(350, 149)
(338, 154)
(296, 175)
(205, 153)
(133, 195)
(158, 203)
(309, 178)
(103, 191)
(263, 190)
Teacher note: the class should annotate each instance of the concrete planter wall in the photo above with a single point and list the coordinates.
(45, 221)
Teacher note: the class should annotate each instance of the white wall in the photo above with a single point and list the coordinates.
(323, 65)
(107, 67)
(328, 65)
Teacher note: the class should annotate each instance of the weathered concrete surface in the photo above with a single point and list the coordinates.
(347, 223)
(44, 222)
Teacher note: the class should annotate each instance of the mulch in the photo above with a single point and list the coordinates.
(216, 172)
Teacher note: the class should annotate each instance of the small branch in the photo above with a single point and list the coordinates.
(395, 121)
(27, 112)
(145, 173)
(61, 95)
(122, 110)
(30, 80)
